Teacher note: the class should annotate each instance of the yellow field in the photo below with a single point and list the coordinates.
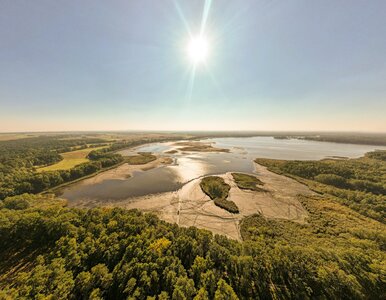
(70, 160)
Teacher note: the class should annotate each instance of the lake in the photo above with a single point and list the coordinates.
(190, 165)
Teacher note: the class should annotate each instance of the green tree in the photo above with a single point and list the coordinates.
(224, 291)
(184, 288)
(201, 295)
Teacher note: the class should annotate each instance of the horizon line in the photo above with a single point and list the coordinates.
(194, 131)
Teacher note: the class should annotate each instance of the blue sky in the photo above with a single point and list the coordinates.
(122, 65)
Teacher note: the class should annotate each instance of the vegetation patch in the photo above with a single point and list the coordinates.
(140, 159)
(227, 205)
(70, 160)
(57, 252)
(247, 182)
(358, 183)
(333, 234)
(216, 188)
(199, 147)
(171, 152)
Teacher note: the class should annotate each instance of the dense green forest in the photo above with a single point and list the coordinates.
(358, 183)
(20, 158)
(52, 251)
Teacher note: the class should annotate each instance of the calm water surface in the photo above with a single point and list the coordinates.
(190, 165)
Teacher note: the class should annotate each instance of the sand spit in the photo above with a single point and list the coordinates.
(189, 206)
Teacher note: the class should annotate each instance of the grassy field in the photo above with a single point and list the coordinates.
(247, 182)
(70, 160)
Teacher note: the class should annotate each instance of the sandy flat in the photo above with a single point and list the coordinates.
(189, 206)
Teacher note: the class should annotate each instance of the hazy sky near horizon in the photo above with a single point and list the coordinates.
(122, 65)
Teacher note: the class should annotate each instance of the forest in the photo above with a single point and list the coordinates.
(52, 251)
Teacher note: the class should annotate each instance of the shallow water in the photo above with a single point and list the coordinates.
(190, 165)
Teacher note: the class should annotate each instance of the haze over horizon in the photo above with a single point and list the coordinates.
(123, 65)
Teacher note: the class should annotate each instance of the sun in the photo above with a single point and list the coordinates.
(198, 50)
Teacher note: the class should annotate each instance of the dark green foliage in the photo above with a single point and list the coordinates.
(332, 179)
(247, 182)
(216, 188)
(224, 291)
(358, 183)
(227, 205)
(16, 202)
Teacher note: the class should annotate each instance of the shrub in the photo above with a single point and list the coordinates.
(332, 179)
(215, 187)
(247, 182)
(227, 205)
(16, 203)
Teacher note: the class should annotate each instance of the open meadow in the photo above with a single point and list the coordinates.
(70, 160)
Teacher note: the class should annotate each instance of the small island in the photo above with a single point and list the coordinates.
(171, 151)
(216, 188)
(247, 182)
(199, 147)
(140, 159)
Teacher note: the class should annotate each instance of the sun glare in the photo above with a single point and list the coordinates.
(198, 50)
